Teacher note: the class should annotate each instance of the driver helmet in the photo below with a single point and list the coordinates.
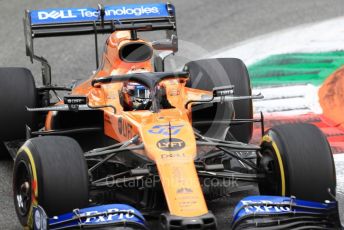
(135, 96)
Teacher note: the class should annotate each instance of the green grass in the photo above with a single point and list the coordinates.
(295, 68)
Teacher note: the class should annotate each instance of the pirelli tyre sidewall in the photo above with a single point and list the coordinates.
(297, 161)
(24, 163)
(56, 173)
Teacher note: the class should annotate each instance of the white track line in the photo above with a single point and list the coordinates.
(316, 37)
(289, 100)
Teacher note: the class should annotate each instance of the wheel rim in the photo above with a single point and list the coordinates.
(23, 189)
(269, 166)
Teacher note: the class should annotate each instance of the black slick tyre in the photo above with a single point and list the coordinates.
(51, 172)
(297, 161)
(17, 91)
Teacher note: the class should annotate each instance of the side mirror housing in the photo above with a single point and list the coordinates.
(75, 100)
(222, 91)
(166, 44)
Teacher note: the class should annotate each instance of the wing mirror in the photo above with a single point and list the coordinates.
(166, 44)
(75, 100)
(222, 91)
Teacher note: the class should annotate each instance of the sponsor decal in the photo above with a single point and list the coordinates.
(188, 203)
(172, 144)
(172, 155)
(184, 190)
(178, 176)
(125, 214)
(174, 92)
(87, 13)
(124, 128)
(165, 129)
(55, 14)
(266, 208)
(75, 100)
(91, 14)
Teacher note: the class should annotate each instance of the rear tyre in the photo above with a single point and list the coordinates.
(297, 161)
(17, 91)
(50, 172)
(209, 73)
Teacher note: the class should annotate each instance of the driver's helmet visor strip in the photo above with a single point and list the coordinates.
(137, 90)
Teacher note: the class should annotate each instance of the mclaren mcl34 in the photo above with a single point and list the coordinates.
(134, 141)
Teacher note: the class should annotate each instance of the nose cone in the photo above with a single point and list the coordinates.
(173, 147)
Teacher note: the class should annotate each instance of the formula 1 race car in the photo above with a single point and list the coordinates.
(135, 140)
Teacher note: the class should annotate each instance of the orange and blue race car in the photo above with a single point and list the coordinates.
(135, 141)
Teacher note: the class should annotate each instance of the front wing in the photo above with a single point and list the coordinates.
(275, 212)
(253, 212)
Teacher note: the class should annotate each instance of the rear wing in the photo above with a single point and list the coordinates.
(79, 21)
(82, 21)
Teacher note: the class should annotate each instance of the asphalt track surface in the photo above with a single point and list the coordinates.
(203, 27)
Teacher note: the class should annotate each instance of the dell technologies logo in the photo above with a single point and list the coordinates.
(89, 13)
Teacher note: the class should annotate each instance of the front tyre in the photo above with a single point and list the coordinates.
(50, 172)
(297, 161)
